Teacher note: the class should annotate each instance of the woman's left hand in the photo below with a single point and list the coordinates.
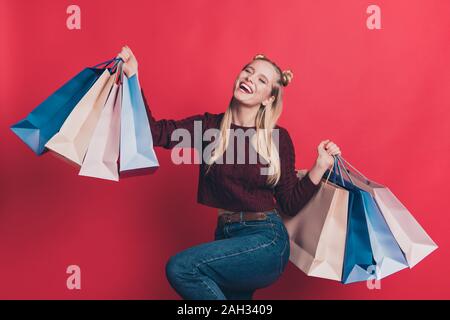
(326, 150)
(130, 63)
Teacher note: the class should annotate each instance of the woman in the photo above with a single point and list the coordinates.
(251, 247)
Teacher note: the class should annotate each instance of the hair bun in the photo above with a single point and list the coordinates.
(259, 56)
(286, 77)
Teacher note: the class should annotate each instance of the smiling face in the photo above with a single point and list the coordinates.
(254, 83)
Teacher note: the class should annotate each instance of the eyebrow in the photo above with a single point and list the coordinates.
(249, 66)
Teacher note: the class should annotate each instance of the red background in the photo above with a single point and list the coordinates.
(382, 95)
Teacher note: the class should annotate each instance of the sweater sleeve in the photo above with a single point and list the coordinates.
(291, 193)
(163, 129)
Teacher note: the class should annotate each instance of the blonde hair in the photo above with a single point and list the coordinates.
(266, 119)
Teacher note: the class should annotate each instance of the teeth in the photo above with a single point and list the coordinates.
(246, 87)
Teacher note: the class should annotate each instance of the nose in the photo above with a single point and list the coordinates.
(249, 78)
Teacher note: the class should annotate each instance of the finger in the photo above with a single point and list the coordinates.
(333, 150)
(333, 146)
(125, 53)
(321, 146)
(330, 145)
(129, 49)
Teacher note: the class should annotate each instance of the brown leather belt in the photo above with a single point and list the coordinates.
(235, 216)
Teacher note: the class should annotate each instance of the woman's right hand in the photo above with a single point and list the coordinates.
(130, 64)
(326, 150)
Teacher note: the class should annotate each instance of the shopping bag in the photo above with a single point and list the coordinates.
(383, 255)
(359, 263)
(415, 243)
(47, 118)
(386, 251)
(73, 138)
(103, 151)
(318, 231)
(136, 142)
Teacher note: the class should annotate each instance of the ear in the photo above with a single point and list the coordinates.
(268, 101)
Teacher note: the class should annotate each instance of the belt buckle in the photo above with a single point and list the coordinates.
(225, 218)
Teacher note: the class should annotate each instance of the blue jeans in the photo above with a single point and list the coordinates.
(245, 256)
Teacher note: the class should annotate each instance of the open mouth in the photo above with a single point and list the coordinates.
(245, 88)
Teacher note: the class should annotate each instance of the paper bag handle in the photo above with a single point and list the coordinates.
(105, 64)
(356, 170)
(334, 168)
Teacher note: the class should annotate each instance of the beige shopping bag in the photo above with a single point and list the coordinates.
(73, 138)
(415, 243)
(103, 151)
(318, 232)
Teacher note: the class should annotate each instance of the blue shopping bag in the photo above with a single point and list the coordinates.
(371, 250)
(359, 262)
(413, 240)
(47, 118)
(136, 141)
(387, 253)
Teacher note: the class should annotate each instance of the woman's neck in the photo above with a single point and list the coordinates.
(244, 116)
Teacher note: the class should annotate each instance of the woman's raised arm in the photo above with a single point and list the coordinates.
(163, 129)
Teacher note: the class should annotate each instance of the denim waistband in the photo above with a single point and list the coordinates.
(273, 213)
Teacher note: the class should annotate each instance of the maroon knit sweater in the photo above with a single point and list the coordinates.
(239, 187)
